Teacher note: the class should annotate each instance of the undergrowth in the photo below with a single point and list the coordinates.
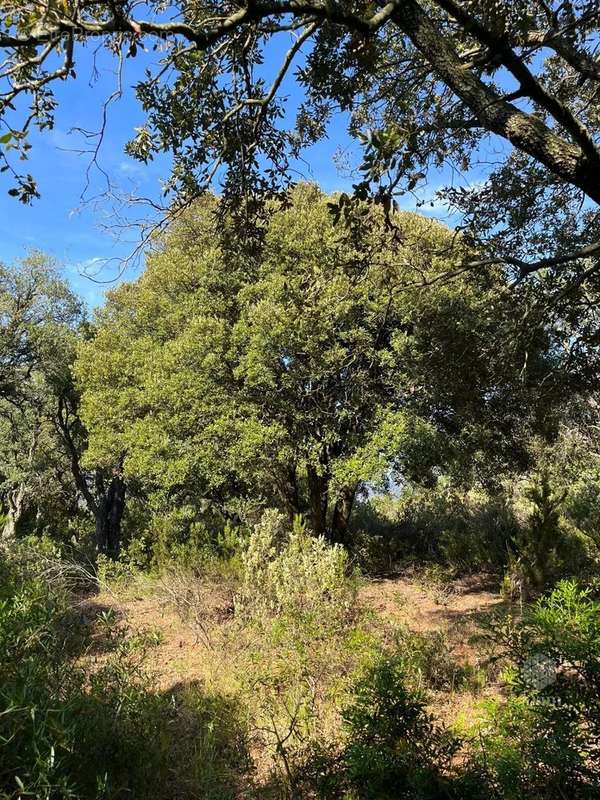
(304, 692)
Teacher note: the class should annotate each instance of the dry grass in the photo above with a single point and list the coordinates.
(201, 640)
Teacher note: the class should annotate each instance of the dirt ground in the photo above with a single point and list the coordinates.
(186, 650)
(458, 609)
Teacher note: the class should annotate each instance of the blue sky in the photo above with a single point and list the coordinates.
(60, 223)
(82, 236)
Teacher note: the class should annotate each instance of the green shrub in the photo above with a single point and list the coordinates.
(394, 749)
(547, 546)
(539, 743)
(545, 737)
(111, 571)
(464, 532)
(79, 716)
(36, 731)
(64, 732)
(537, 544)
(293, 571)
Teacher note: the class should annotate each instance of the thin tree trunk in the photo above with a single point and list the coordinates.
(340, 519)
(107, 503)
(16, 506)
(109, 514)
(318, 485)
(16, 496)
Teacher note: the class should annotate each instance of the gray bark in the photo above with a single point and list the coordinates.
(16, 506)
(525, 131)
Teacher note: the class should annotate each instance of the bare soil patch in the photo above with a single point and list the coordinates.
(458, 610)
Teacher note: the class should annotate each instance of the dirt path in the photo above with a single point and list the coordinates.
(178, 653)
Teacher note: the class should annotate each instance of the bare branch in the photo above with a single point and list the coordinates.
(529, 267)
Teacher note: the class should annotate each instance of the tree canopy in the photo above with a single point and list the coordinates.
(38, 319)
(36, 308)
(298, 376)
(460, 83)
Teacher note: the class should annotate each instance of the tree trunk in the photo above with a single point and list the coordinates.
(318, 485)
(109, 513)
(16, 506)
(341, 516)
(288, 490)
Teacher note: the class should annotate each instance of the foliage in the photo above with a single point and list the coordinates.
(394, 748)
(70, 730)
(464, 531)
(297, 376)
(532, 529)
(188, 539)
(545, 546)
(294, 572)
(285, 650)
(36, 737)
(38, 310)
(39, 317)
(53, 731)
(572, 465)
(556, 531)
(339, 703)
(545, 737)
(427, 88)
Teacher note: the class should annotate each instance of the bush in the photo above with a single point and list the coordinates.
(179, 549)
(540, 743)
(545, 738)
(546, 545)
(78, 714)
(292, 571)
(394, 749)
(65, 732)
(36, 732)
(527, 535)
(464, 532)
(195, 538)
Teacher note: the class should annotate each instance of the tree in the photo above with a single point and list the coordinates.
(103, 490)
(38, 317)
(35, 307)
(42, 438)
(424, 83)
(301, 374)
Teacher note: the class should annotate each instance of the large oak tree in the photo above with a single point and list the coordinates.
(297, 377)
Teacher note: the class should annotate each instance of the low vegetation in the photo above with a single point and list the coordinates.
(301, 689)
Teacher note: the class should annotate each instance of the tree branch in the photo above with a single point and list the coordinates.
(580, 61)
(529, 267)
(528, 82)
(525, 131)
